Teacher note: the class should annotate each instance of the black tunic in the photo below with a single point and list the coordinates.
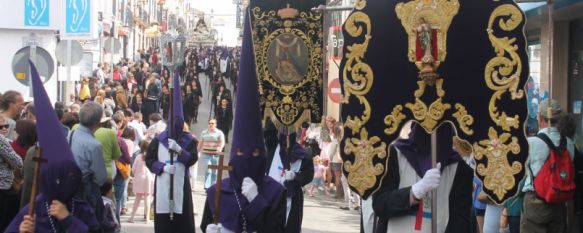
(294, 187)
(182, 222)
(188, 106)
(224, 118)
(197, 93)
(150, 104)
(165, 103)
(390, 201)
(135, 106)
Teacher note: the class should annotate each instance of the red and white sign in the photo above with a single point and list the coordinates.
(336, 43)
(334, 91)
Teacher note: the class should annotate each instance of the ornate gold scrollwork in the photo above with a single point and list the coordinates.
(430, 116)
(358, 79)
(292, 99)
(502, 75)
(464, 119)
(262, 15)
(499, 175)
(394, 120)
(287, 111)
(363, 172)
(360, 4)
(358, 76)
(503, 71)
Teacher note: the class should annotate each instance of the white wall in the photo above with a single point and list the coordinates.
(12, 41)
(12, 14)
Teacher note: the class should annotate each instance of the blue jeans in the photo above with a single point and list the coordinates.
(118, 188)
(210, 175)
(514, 224)
(492, 218)
(125, 194)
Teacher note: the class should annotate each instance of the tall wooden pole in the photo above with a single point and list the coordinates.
(171, 133)
(37, 162)
(551, 35)
(434, 192)
(218, 185)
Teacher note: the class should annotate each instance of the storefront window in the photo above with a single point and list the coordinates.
(534, 94)
(576, 77)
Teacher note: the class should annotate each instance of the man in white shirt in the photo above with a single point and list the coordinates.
(157, 126)
(139, 129)
(100, 74)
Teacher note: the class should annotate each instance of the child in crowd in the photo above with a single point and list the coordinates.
(318, 181)
(110, 223)
(143, 183)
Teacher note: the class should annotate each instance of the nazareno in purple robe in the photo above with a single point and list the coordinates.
(265, 213)
(61, 183)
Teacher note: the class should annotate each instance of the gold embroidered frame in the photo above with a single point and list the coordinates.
(285, 104)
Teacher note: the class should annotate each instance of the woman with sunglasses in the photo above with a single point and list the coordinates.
(4, 126)
(9, 193)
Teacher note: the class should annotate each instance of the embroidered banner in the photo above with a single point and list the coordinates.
(459, 62)
(287, 38)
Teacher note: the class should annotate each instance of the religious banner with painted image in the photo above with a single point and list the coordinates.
(287, 39)
(459, 62)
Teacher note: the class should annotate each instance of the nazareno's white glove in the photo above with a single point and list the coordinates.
(249, 189)
(172, 145)
(289, 175)
(214, 228)
(429, 182)
(169, 169)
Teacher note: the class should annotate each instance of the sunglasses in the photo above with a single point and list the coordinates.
(4, 126)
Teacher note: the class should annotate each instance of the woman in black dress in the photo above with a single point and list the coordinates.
(187, 104)
(234, 73)
(224, 93)
(165, 101)
(132, 95)
(137, 102)
(224, 117)
(197, 98)
(151, 101)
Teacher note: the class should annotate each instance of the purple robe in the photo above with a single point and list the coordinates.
(266, 213)
(83, 220)
(270, 191)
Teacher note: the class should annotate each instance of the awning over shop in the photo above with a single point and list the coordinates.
(121, 32)
(152, 32)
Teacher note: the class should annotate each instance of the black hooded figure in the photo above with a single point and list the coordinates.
(293, 168)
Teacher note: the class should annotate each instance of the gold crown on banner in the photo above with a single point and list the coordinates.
(288, 12)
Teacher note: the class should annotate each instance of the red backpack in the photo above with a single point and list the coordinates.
(555, 182)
